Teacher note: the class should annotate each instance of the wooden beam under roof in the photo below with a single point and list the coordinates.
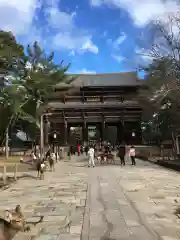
(97, 120)
(84, 113)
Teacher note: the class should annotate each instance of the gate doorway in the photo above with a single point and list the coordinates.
(75, 135)
(111, 134)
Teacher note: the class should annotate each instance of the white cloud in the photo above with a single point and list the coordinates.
(89, 46)
(84, 70)
(142, 12)
(22, 18)
(77, 42)
(119, 58)
(117, 42)
(58, 19)
(17, 15)
(120, 39)
(68, 36)
(72, 53)
(143, 56)
(96, 2)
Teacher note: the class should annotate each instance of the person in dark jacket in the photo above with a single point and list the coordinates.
(122, 153)
(48, 154)
(86, 150)
(38, 167)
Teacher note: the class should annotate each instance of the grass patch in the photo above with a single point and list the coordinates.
(11, 159)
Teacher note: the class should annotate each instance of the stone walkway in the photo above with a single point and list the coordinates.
(123, 203)
(133, 203)
(60, 199)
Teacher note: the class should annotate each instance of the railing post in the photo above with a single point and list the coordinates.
(41, 137)
(7, 144)
(15, 172)
(4, 174)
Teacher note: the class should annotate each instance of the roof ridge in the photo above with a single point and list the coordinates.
(100, 74)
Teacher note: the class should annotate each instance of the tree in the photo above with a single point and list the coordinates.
(165, 50)
(27, 81)
(41, 77)
(163, 79)
(11, 57)
(160, 119)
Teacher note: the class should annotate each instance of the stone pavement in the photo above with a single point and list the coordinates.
(123, 203)
(132, 203)
(59, 199)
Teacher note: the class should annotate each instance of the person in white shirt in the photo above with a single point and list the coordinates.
(33, 156)
(132, 154)
(52, 160)
(91, 156)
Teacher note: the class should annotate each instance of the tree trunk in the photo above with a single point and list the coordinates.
(7, 144)
(174, 146)
(41, 137)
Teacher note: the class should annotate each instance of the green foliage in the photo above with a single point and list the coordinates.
(161, 96)
(11, 53)
(42, 77)
(32, 77)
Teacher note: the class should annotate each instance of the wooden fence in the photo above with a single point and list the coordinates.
(5, 172)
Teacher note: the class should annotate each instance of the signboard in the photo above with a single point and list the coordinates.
(93, 99)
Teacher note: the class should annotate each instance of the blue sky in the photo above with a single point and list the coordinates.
(95, 36)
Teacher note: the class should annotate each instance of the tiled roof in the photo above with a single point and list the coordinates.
(107, 79)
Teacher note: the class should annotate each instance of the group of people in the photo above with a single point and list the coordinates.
(79, 149)
(121, 154)
(90, 150)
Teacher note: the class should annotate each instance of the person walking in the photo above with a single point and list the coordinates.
(86, 149)
(122, 153)
(91, 157)
(52, 159)
(132, 154)
(48, 153)
(79, 149)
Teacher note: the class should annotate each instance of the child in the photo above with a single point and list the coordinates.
(132, 154)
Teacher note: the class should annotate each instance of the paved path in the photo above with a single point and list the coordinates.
(123, 203)
(133, 203)
(60, 198)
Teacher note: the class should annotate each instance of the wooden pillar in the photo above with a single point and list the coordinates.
(46, 131)
(85, 131)
(103, 126)
(65, 132)
(120, 132)
(140, 132)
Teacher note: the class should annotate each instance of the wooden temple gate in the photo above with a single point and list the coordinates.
(101, 104)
